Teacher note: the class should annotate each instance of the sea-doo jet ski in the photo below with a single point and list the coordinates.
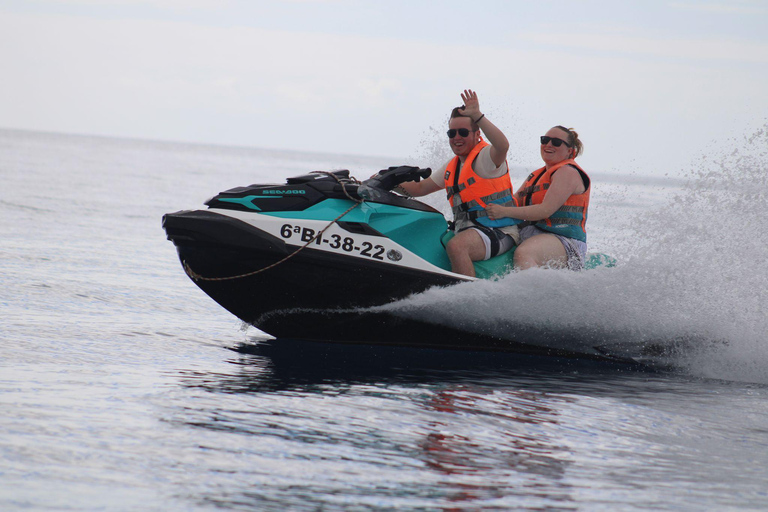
(304, 258)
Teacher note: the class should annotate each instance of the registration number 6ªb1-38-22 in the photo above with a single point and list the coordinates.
(334, 241)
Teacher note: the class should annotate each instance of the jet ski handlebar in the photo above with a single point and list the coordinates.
(387, 179)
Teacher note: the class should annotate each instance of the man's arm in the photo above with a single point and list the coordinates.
(497, 139)
(420, 188)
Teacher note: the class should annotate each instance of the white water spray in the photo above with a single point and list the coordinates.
(692, 281)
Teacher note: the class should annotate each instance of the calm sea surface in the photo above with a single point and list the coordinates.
(124, 387)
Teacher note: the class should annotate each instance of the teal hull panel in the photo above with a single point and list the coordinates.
(406, 227)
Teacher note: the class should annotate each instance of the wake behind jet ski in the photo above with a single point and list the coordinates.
(299, 260)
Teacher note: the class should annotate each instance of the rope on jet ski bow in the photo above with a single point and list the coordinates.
(197, 277)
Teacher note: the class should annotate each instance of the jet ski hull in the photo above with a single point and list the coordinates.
(306, 260)
(257, 276)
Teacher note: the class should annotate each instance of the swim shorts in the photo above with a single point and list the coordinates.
(495, 240)
(576, 250)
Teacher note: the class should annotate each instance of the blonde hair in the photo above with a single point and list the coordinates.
(573, 140)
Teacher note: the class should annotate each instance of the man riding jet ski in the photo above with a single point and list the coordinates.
(477, 176)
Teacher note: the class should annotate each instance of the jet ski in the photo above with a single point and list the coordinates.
(308, 258)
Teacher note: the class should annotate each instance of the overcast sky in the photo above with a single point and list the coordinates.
(651, 85)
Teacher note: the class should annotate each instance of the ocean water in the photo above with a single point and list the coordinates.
(124, 387)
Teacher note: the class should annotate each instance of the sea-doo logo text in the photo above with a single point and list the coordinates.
(283, 192)
(334, 241)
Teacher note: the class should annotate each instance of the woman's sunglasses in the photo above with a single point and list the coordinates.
(461, 131)
(554, 140)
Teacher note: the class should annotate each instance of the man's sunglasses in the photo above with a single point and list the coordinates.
(554, 140)
(461, 131)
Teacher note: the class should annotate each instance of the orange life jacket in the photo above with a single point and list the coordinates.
(469, 193)
(570, 219)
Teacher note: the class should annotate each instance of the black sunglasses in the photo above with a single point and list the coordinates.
(461, 131)
(554, 140)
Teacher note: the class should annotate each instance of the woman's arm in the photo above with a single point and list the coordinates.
(565, 183)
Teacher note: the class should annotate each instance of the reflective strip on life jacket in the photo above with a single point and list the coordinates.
(481, 202)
